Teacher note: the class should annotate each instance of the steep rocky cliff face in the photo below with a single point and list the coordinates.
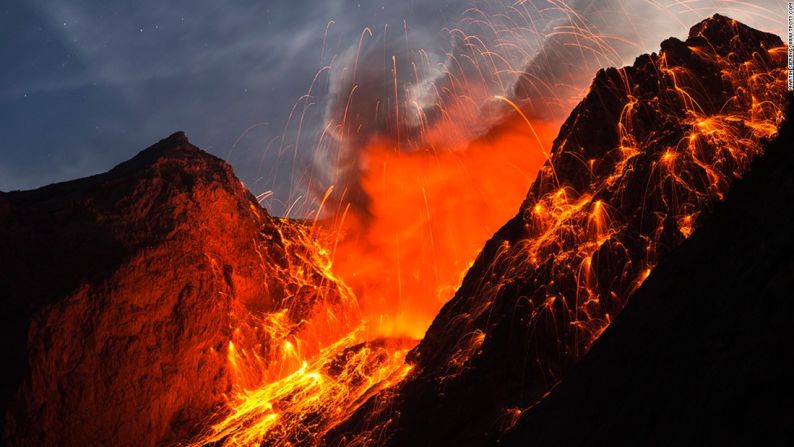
(701, 354)
(133, 301)
(638, 164)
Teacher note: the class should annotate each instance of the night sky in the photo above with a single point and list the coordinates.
(86, 84)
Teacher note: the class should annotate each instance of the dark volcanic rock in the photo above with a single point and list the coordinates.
(698, 356)
(640, 161)
(121, 294)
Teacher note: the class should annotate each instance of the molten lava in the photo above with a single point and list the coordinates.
(432, 212)
(301, 407)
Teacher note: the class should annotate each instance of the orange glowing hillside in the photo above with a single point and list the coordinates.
(138, 302)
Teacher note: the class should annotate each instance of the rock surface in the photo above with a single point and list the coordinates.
(698, 356)
(123, 292)
(638, 164)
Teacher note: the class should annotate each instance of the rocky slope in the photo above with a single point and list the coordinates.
(700, 355)
(635, 168)
(133, 301)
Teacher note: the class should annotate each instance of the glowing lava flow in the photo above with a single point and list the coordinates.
(299, 408)
(304, 368)
(315, 310)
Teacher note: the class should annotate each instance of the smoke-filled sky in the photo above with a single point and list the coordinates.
(86, 84)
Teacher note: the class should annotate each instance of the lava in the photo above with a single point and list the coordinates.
(298, 409)
(418, 237)
(591, 229)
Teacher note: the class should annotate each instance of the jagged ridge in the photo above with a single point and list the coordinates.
(698, 354)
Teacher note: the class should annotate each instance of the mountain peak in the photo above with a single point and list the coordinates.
(718, 23)
(179, 135)
(176, 148)
(727, 35)
(132, 287)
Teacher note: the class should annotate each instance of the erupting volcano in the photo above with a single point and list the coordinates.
(160, 304)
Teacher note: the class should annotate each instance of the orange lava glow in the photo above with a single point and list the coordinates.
(432, 213)
(380, 284)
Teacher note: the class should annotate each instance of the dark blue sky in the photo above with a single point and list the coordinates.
(86, 84)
